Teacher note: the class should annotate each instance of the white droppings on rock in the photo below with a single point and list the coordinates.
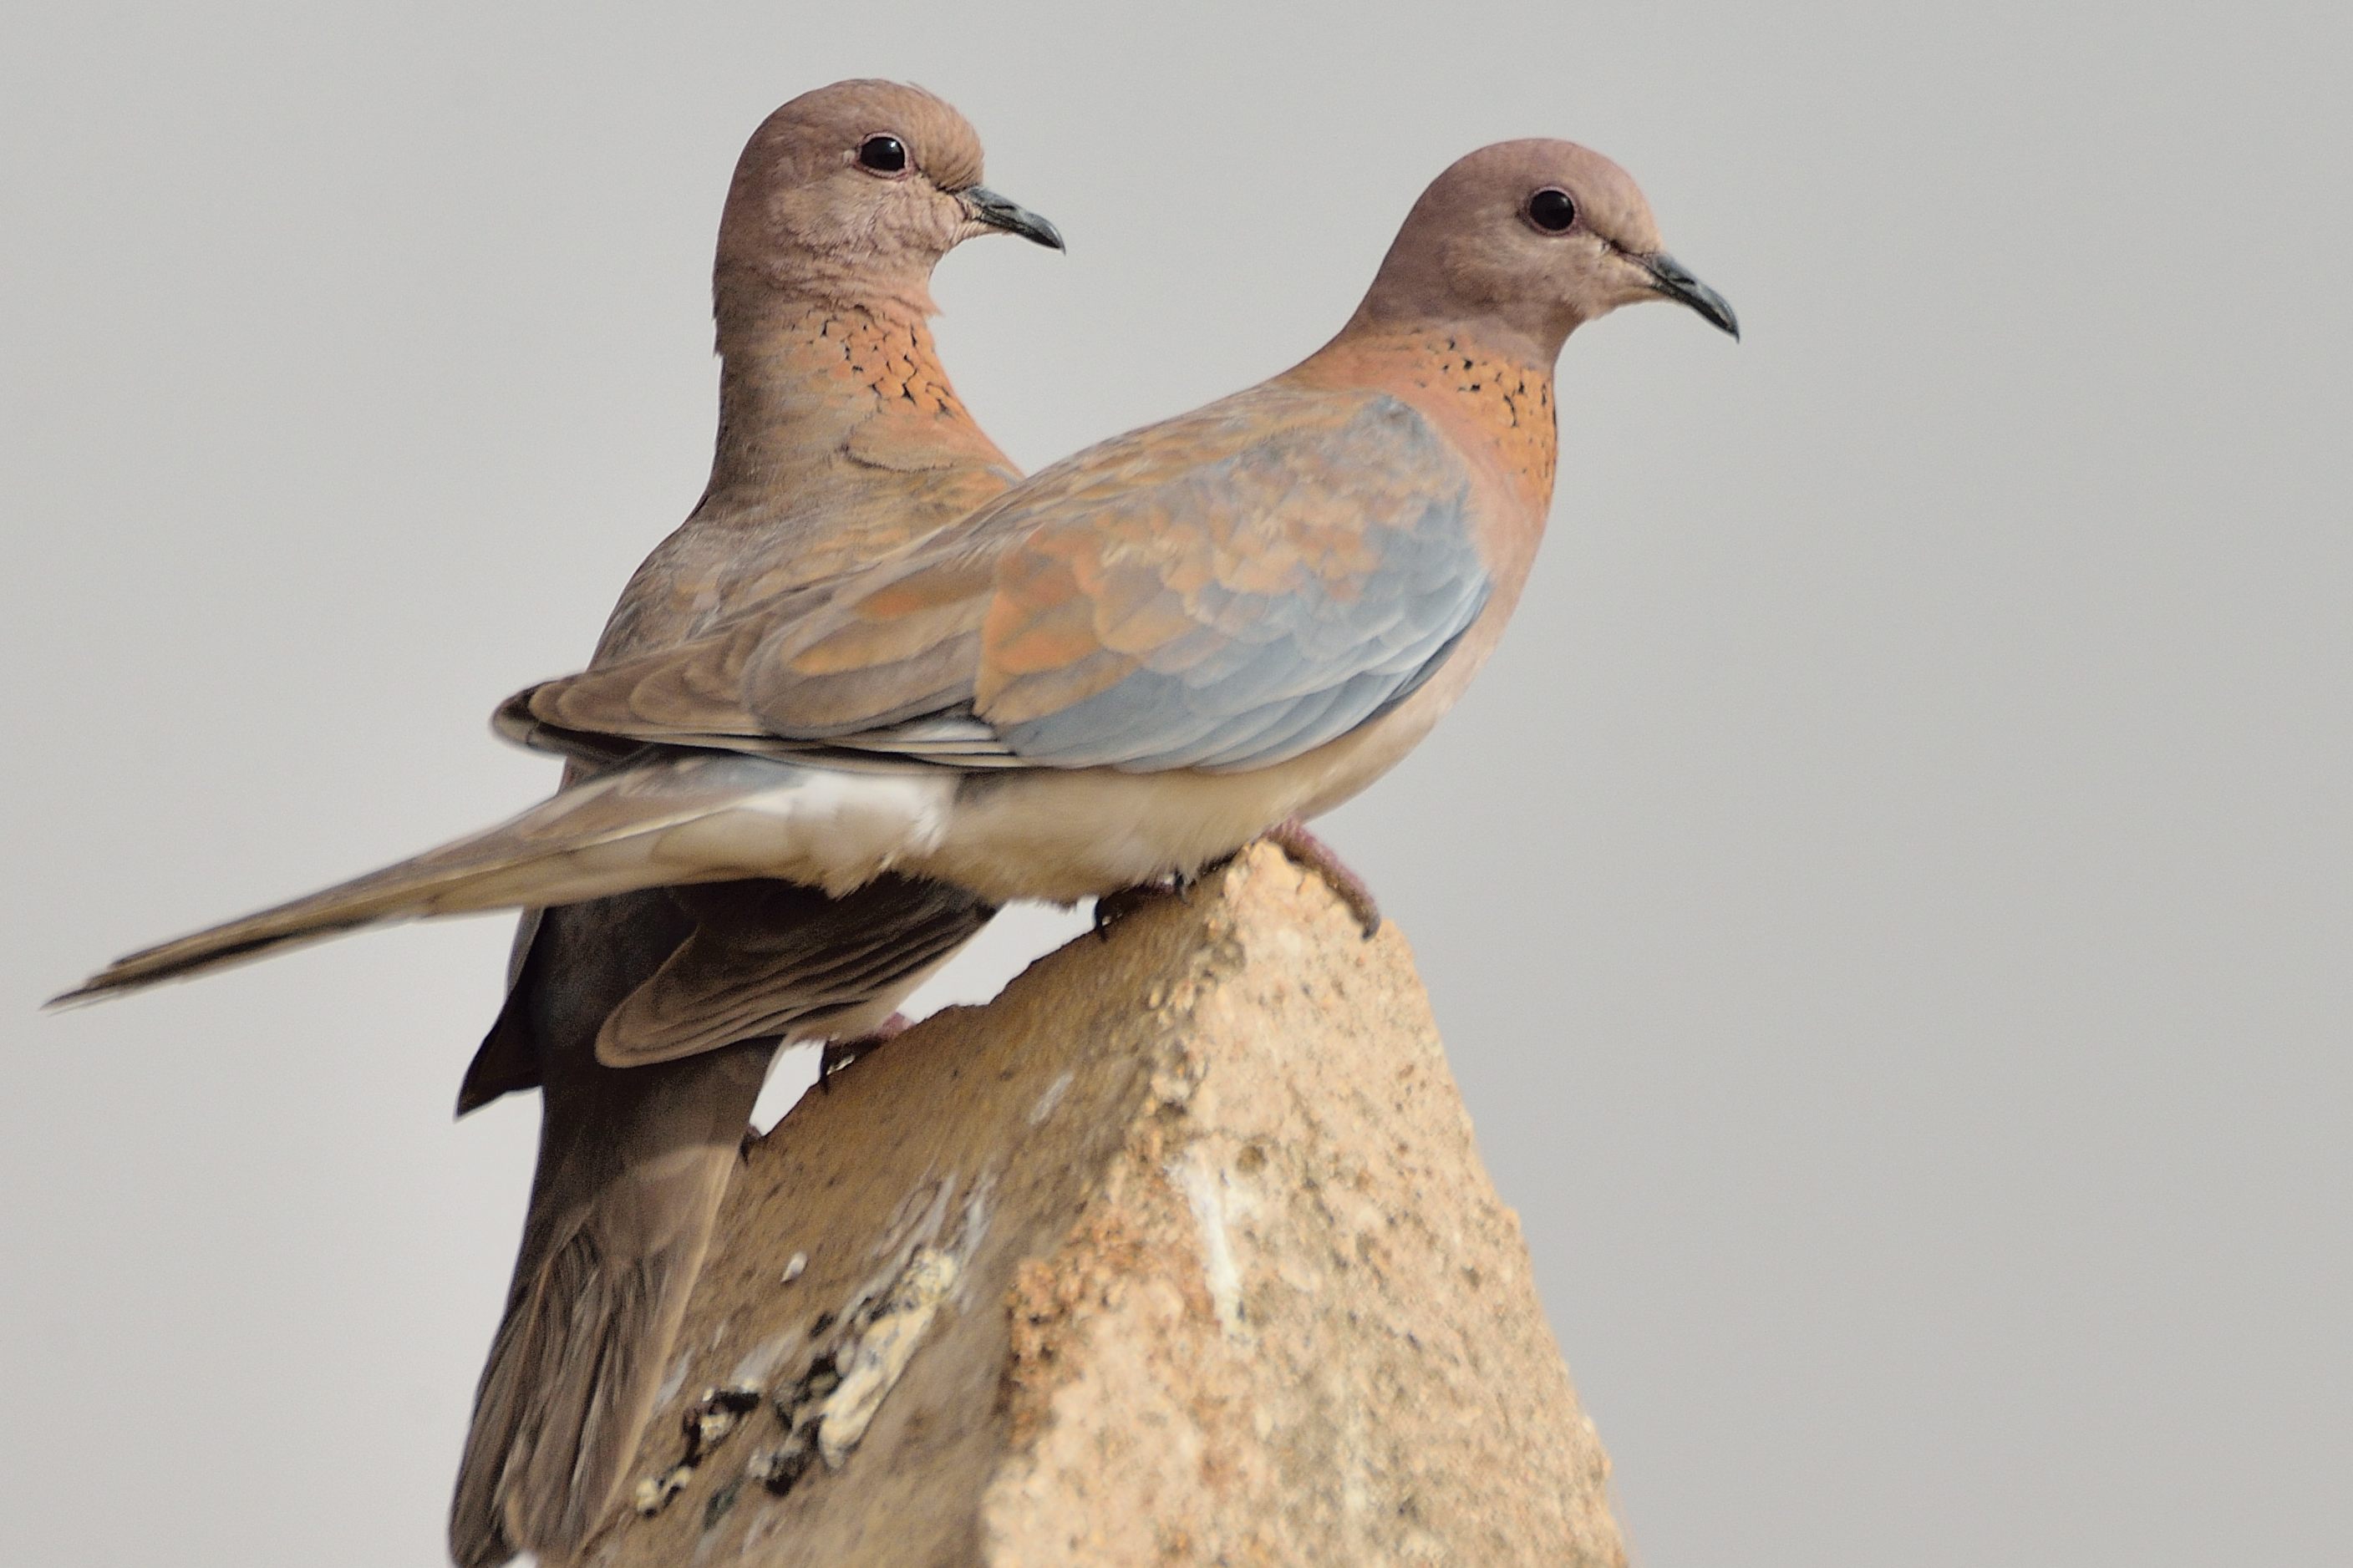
(871, 1363)
(972, 1226)
(1050, 1099)
(1205, 1189)
(917, 1219)
(673, 1380)
(759, 1364)
(716, 1416)
(653, 1493)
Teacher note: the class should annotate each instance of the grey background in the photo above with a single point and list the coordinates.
(1887, 902)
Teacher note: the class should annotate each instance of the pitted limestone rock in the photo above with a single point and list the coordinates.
(1177, 1253)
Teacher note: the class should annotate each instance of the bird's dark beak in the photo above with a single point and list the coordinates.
(1669, 276)
(986, 206)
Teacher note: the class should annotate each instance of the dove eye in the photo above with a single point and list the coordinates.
(1552, 210)
(884, 154)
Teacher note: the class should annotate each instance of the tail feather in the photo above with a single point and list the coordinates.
(632, 1169)
(635, 826)
(569, 1386)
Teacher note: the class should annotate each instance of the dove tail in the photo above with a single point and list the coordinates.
(632, 1167)
(668, 819)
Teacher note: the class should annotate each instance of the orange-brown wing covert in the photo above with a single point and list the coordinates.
(1225, 590)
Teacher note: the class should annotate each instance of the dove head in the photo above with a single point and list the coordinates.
(1523, 242)
(854, 191)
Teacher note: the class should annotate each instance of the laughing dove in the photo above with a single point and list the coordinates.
(840, 441)
(1118, 671)
(1132, 663)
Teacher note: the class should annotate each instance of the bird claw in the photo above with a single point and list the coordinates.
(835, 1055)
(1113, 908)
(1309, 853)
(1300, 848)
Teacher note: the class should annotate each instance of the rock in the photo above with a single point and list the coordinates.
(1176, 1252)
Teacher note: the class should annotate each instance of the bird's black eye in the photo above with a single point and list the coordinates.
(1552, 210)
(884, 154)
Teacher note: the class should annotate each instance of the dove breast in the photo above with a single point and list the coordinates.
(1066, 835)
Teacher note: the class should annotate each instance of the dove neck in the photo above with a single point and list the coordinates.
(800, 373)
(1490, 397)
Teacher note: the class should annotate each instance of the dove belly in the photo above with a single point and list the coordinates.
(1063, 836)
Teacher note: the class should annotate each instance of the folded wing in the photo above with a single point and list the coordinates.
(1226, 590)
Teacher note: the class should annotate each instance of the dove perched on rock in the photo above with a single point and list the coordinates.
(1118, 671)
(841, 440)
(1128, 665)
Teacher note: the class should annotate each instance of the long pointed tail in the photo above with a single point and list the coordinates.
(632, 1166)
(672, 819)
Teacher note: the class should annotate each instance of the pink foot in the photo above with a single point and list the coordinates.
(1309, 853)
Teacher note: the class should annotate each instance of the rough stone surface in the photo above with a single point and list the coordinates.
(1177, 1253)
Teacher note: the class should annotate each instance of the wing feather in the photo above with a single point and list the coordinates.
(1225, 590)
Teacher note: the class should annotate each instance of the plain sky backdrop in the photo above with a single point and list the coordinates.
(1888, 901)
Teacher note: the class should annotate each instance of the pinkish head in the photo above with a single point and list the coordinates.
(856, 191)
(1530, 240)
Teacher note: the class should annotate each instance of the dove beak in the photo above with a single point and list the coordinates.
(1670, 278)
(994, 211)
